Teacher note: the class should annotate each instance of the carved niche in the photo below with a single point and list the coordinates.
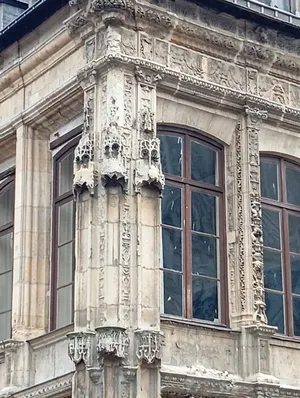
(85, 175)
(148, 345)
(148, 170)
(254, 118)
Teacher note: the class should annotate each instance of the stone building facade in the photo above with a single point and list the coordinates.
(149, 200)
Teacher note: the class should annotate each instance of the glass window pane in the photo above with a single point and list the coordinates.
(296, 315)
(5, 326)
(171, 154)
(269, 179)
(5, 291)
(271, 228)
(295, 272)
(171, 206)
(293, 186)
(205, 299)
(65, 228)
(64, 314)
(172, 249)
(7, 205)
(203, 163)
(294, 233)
(5, 253)
(65, 265)
(272, 270)
(282, 4)
(275, 314)
(204, 213)
(204, 255)
(66, 173)
(172, 293)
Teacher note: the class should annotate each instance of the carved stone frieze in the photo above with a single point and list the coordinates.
(255, 117)
(186, 61)
(85, 174)
(9, 345)
(252, 81)
(273, 89)
(125, 259)
(76, 22)
(80, 346)
(148, 345)
(112, 341)
(147, 77)
(226, 74)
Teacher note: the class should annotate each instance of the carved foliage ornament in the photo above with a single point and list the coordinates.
(79, 347)
(149, 344)
(112, 341)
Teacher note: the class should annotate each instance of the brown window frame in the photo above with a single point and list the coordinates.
(7, 179)
(57, 201)
(188, 185)
(284, 209)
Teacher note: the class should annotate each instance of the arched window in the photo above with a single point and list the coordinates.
(7, 195)
(193, 225)
(280, 191)
(63, 257)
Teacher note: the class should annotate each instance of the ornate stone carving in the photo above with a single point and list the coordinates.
(255, 117)
(273, 89)
(90, 48)
(9, 345)
(226, 74)
(112, 341)
(85, 175)
(147, 77)
(75, 2)
(186, 61)
(252, 81)
(240, 217)
(80, 346)
(148, 345)
(76, 22)
(125, 258)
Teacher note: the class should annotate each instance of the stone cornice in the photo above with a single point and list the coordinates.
(50, 338)
(59, 387)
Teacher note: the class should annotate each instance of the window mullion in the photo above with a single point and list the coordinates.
(287, 275)
(188, 253)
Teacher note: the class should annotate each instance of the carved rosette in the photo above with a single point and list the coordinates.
(80, 346)
(254, 118)
(112, 341)
(85, 175)
(148, 345)
(148, 170)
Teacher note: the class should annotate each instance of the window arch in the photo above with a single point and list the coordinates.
(63, 232)
(280, 191)
(7, 195)
(193, 263)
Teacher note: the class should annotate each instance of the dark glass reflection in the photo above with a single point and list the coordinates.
(205, 299)
(271, 228)
(203, 163)
(296, 315)
(269, 180)
(171, 206)
(275, 314)
(171, 154)
(172, 293)
(204, 255)
(272, 270)
(172, 249)
(204, 213)
(295, 271)
(294, 233)
(293, 186)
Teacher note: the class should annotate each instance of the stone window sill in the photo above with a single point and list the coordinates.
(51, 337)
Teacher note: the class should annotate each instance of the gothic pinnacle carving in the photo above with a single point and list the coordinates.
(112, 341)
(148, 345)
(80, 346)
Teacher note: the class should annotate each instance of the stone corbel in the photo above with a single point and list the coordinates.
(7, 350)
(112, 341)
(149, 345)
(80, 347)
(114, 163)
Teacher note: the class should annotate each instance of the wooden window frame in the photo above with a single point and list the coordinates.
(284, 209)
(57, 201)
(188, 185)
(7, 179)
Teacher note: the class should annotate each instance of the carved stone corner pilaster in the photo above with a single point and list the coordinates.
(148, 345)
(112, 341)
(80, 346)
(114, 169)
(255, 115)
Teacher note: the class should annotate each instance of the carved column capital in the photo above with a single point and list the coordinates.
(80, 346)
(112, 340)
(255, 116)
(148, 345)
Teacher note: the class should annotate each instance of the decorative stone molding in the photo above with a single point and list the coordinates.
(254, 117)
(9, 345)
(96, 374)
(148, 345)
(80, 346)
(85, 174)
(112, 340)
